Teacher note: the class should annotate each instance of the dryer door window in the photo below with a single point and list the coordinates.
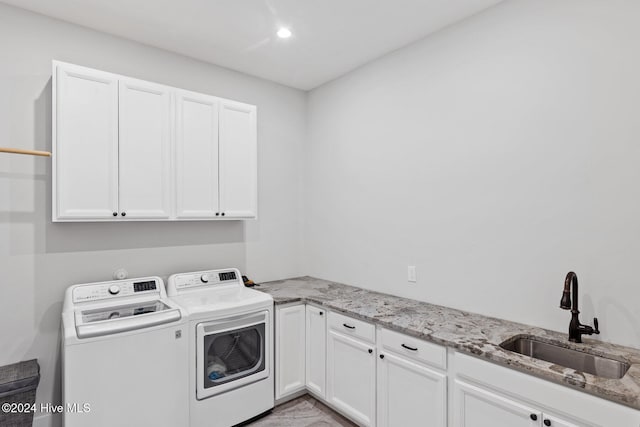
(232, 355)
(232, 352)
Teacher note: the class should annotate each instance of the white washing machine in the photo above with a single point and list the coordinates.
(230, 346)
(124, 352)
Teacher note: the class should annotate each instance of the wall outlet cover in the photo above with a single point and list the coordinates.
(411, 274)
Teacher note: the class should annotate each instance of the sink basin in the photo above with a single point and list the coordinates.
(578, 360)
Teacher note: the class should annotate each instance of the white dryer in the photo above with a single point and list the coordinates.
(123, 355)
(231, 346)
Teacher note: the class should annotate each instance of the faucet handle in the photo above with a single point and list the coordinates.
(595, 326)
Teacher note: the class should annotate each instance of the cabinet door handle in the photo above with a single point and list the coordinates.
(115, 214)
(410, 348)
(534, 417)
(321, 313)
(382, 356)
(348, 326)
(217, 213)
(123, 214)
(370, 351)
(547, 422)
(222, 214)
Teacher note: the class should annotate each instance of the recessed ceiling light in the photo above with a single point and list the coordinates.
(284, 33)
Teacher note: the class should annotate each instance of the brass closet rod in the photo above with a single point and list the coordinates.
(27, 152)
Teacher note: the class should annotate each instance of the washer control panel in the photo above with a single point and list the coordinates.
(116, 289)
(207, 278)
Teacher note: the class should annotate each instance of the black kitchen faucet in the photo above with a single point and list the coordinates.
(576, 329)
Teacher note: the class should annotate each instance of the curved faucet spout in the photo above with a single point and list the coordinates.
(565, 302)
(576, 329)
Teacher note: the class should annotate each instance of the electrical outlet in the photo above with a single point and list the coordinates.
(411, 274)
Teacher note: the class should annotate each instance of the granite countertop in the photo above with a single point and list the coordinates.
(467, 332)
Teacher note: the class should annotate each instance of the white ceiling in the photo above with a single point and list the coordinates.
(330, 37)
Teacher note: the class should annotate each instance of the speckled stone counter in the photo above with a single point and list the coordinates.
(467, 332)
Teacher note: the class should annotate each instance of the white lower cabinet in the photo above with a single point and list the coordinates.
(488, 394)
(385, 378)
(290, 350)
(410, 394)
(351, 377)
(476, 407)
(316, 350)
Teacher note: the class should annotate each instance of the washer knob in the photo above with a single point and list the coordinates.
(204, 278)
(114, 289)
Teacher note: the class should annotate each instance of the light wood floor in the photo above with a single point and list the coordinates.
(304, 411)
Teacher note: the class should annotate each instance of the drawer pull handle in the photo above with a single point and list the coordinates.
(348, 326)
(547, 422)
(410, 348)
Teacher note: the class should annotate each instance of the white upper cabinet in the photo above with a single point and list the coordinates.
(238, 160)
(145, 115)
(85, 144)
(196, 155)
(131, 150)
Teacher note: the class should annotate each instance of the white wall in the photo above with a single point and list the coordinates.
(39, 259)
(495, 156)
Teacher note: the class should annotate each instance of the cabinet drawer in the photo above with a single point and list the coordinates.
(352, 327)
(414, 348)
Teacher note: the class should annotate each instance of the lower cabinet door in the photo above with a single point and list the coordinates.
(351, 377)
(316, 350)
(410, 394)
(290, 346)
(476, 407)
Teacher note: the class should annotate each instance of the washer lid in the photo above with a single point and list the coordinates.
(114, 319)
(122, 311)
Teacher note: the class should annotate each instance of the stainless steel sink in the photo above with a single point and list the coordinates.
(578, 360)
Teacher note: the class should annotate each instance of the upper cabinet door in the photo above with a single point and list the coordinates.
(145, 119)
(85, 144)
(196, 155)
(238, 160)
